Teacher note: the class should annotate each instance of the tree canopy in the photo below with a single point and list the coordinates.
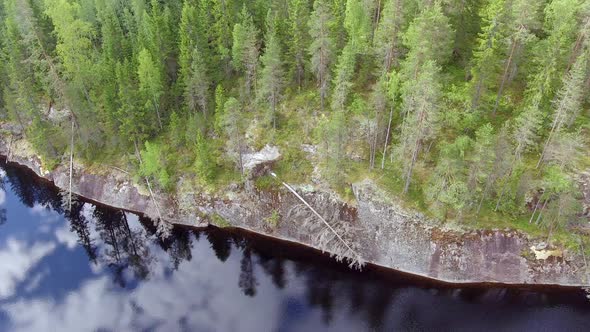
(472, 107)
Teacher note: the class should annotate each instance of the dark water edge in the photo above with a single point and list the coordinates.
(375, 298)
(297, 251)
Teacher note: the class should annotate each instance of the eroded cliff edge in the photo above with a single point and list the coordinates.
(381, 231)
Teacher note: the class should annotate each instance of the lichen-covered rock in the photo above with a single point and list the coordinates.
(376, 227)
(255, 163)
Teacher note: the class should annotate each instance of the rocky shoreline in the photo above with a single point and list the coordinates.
(378, 229)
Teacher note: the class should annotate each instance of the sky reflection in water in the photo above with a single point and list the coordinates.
(95, 268)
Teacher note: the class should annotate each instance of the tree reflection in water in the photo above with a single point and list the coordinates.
(126, 247)
(220, 243)
(129, 249)
(79, 224)
(2, 197)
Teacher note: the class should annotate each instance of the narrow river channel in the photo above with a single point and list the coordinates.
(100, 269)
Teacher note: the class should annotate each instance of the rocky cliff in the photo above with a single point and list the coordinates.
(376, 227)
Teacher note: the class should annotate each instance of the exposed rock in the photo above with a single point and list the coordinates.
(57, 116)
(260, 162)
(542, 254)
(310, 149)
(376, 226)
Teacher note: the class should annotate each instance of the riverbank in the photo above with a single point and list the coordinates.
(378, 228)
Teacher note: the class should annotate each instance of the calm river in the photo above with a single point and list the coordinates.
(99, 269)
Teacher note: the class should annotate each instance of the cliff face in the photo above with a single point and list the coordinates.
(376, 227)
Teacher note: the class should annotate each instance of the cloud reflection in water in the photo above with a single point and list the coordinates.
(94, 268)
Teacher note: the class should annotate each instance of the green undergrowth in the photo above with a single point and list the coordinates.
(273, 219)
(219, 221)
(392, 183)
(266, 183)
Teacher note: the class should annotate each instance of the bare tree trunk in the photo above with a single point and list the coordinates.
(357, 257)
(515, 43)
(556, 124)
(500, 198)
(9, 149)
(240, 159)
(584, 256)
(157, 113)
(534, 211)
(411, 168)
(390, 56)
(579, 42)
(386, 138)
(483, 195)
(377, 18)
(541, 212)
(374, 148)
(274, 111)
(370, 141)
(147, 181)
(71, 166)
(479, 86)
(322, 81)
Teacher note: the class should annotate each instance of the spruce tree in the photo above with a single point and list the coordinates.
(245, 48)
(321, 47)
(272, 76)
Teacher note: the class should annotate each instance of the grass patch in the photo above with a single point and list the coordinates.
(273, 219)
(219, 221)
(265, 183)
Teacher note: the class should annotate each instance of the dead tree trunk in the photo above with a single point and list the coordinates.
(515, 45)
(386, 138)
(71, 165)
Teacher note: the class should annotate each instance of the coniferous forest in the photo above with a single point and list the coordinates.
(470, 110)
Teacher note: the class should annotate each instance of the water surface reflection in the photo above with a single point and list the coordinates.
(95, 268)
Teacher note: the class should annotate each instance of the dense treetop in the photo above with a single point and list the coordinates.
(470, 109)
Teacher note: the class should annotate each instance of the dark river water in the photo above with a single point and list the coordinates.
(100, 269)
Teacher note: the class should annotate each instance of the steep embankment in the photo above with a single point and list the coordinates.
(376, 227)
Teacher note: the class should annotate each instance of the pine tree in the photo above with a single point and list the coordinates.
(428, 38)
(272, 80)
(77, 57)
(151, 86)
(321, 47)
(234, 130)
(153, 164)
(552, 53)
(569, 100)
(196, 91)
(392, 97)
(420, 102)
(525, 17)
(20, 91)
(566, 151)
(357, 23)
(220, 34)
(333, 134)
(204, 160)
(245, 48)
(486, 55)
(379, 101)
(481, 163)
(527, 125)
(191, 52)
(387, 41)
(447, 187)
(337, 12)
(343, 78)
(220, 99)
(135, 124)
(299, 38)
